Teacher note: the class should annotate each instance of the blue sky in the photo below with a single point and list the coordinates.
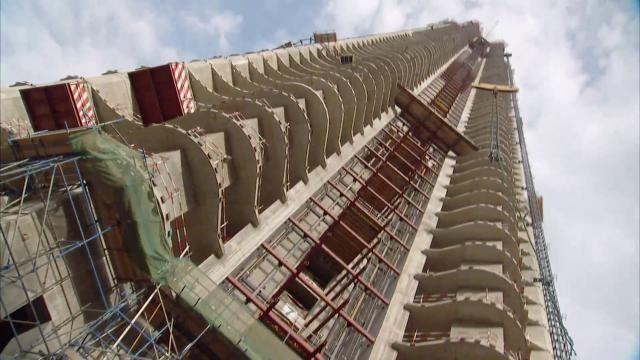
(576, 63)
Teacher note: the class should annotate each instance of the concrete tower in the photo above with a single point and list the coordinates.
(346, 199)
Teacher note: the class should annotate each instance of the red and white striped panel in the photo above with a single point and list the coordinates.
(81, 99)
(181, 76)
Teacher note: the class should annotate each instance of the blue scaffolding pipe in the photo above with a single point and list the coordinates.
(113, 313)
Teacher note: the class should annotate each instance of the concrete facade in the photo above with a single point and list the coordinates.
(303, 186)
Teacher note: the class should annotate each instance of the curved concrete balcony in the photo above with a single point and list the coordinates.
(477, 155)
(481, 183)
(504, 134)
(379, 50)
(474, 231)
(381, 75)
(462, 166)
(289, 64)
(483, 111)
(470, 277)
(301, 135)
(479, 134)
(481, 158)
(373, 51)
(373, 94)
(474, 129)
(446, 312)
(409, 65)
(477, 212)
(481, 123)
(506, 149)
(441, 346)
(506, 142)
(373, 86)
(415, 53)
(273, 181)
(218, 161)
(411, 62)
(311, 100)
(384, 65)
(488, 197)
(491, 170)
(311, 63)
(228, 81)
(241, 194)
(474, 251)
(392, 70)
(485, 127)
(479, 129)
(408, 70)
(269, 64)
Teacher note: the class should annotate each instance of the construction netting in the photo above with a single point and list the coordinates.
(119, 173)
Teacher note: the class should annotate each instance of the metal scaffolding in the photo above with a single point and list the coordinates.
(324, 279)
(59, 292)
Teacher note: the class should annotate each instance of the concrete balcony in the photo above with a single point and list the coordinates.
(476, 231)
(443, 314)
(214, 162)
(482, 183)
(486, 130)
(488, 197)
(478, 119)
(474, 251)
(507, 149)
(443, 346)
(505, 139)
(477, 130)
(476, 124)
(472, 163)
(480, 154)
(491, 170)
(473, 277)
(478, 212)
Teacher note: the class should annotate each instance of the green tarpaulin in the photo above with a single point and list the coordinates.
(119, 174)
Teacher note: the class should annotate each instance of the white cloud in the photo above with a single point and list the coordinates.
(577, 66)
(218, 24)
(44, 41)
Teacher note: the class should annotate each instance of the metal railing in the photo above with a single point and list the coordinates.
(489, 338)
(433, 298)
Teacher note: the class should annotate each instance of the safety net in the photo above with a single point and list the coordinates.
(119, 173)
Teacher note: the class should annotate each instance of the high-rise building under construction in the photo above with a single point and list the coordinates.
(343, 199)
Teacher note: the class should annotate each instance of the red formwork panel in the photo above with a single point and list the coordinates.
(59, 106)
(162, 92)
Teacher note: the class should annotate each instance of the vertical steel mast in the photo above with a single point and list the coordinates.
(560, 339)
